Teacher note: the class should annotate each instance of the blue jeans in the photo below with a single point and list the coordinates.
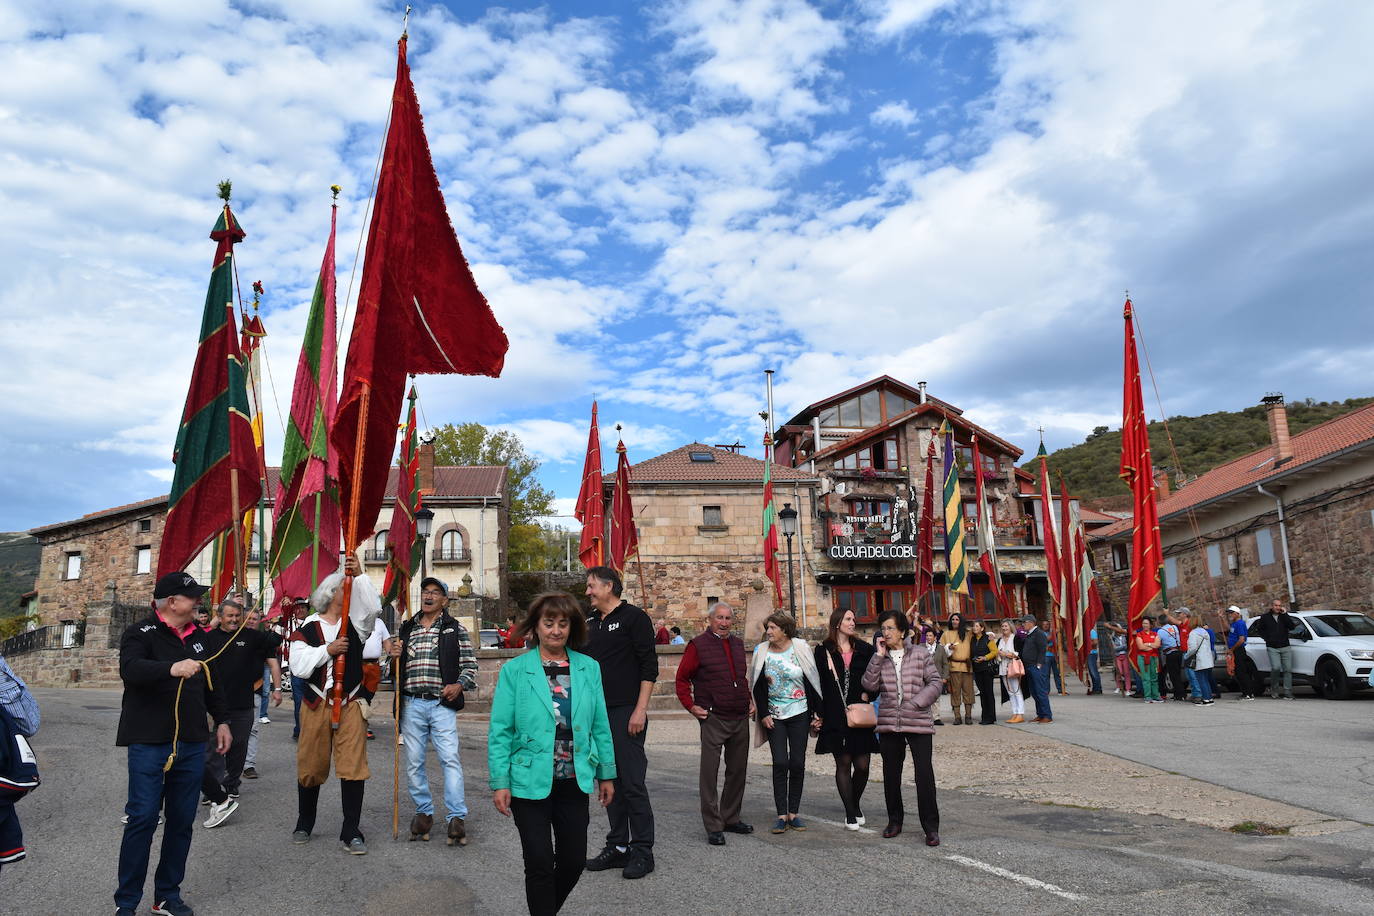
(266, 690)
(150, 791)
(423, 721)
(1201, 682)
(297, 697)
(1040, 689)
(1054, 670)
(1094, 676)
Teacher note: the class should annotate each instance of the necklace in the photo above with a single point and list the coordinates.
(549, 661)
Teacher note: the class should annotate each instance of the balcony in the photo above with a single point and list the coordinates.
(451, 555)
(372, 555)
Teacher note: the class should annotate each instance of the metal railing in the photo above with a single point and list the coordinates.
(372, 555)
(55, 636)
(452, 555)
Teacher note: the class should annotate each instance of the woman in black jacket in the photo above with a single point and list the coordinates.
(984, 655)
(841, 661)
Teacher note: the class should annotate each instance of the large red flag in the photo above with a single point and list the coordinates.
(624, 537)
(925, 547)
(591, 509)
(770, 523)
(419, 311)
(217, 469)
(1137, 469)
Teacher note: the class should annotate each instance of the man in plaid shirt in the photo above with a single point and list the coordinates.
(437, 664)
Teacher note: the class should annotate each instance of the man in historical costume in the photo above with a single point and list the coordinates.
(167, 698)
(437, 666)
(314, 647)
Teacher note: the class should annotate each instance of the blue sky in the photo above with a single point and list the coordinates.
(661, 200)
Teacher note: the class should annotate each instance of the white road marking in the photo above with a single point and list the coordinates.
(1013, 876)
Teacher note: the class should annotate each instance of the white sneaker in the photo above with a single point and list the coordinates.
(1117, 691)
(219, 813)
(264, 720)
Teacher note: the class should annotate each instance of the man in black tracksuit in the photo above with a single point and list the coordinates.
(237, 670)
(156, 655)
(621, 637)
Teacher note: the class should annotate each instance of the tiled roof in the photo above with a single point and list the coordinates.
(1093, 517)
(475, 482)
(677, 466)
(1310, 447)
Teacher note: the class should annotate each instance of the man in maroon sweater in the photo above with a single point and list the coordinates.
(713, 685)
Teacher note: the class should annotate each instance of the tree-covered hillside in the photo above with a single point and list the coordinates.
(1090, 468)
(18, 567)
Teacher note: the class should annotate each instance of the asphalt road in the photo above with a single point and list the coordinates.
(998, 856)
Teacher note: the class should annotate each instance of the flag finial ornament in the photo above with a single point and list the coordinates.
(226, 188)
(334, 190)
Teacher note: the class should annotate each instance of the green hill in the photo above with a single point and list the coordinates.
(1090, 468)
(18, 567)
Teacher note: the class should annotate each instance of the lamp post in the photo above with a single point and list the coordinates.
(788, 517)
(424, 524)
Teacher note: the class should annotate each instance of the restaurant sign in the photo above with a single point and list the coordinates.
(872, 551)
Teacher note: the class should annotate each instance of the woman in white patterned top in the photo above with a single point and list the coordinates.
(787, 702)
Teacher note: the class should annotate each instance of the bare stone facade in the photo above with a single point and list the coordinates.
(94, 664)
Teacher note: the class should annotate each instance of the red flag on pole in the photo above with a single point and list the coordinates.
(591, 509)
(624, 537)
(419, 312)
(1137, 469)
(1049, 536)
(925, 548)
(770, 523)
(987, 547)
(404, 546)
(1071, 606)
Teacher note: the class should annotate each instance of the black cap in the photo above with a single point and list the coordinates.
(430, 580)
(179, 583)
(299, 601)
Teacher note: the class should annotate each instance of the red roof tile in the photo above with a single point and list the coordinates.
(1310, 447)
(726, 466)
(936, 407)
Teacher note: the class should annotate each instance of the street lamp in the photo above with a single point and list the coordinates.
(424, 524)
(788, 517)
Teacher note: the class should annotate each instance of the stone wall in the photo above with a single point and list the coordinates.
(93, 664)
(108, 560)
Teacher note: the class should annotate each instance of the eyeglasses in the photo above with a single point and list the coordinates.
(433, 593)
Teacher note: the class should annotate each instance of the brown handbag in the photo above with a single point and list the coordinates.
(856, 715)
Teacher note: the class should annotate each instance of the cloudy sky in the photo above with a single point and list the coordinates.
(662, 199)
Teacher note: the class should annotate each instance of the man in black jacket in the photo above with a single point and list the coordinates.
(437, 665)
(158, 721)
(621, 637)
(1035, 656)
(1273, 627)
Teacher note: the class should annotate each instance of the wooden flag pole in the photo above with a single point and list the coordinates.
(354, 497)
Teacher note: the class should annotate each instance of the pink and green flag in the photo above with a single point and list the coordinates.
(405, 547)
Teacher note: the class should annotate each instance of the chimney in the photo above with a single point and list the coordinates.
(922, 386)
(426, 468)
(1278, 427)
(1161, 484)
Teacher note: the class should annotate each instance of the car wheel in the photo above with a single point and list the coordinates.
(1331, 681)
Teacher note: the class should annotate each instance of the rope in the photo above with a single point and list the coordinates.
(176, 707)
(1178, 463)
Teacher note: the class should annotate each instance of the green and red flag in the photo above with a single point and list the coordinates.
(925, 536)
(1071, 604)
(1137, 469)
(305, 516)
(404, 547)
(1048, 534)
(624, 536)
(419, 312)
(590, 509)
(956, 561)
(216, 475)
(770, 523)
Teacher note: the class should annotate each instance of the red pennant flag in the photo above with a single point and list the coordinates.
(1137, 469)
(624, 536)
(925, 548)
(770, 523)
(1048, 535)
(419, 312)
(590, 509)
(405, 547)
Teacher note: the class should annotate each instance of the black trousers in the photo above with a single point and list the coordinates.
(350, 794)
(787, 741)
(630, 815)
(893, 747)
(553, 838)
(224, 774)
(985, 681)
(1173, 664)
(1247, 675)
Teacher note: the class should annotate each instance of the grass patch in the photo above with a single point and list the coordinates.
(1254, 828)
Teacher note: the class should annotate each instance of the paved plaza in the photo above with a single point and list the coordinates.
(1115, 808)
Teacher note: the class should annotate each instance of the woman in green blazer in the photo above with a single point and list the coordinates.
(549, 743)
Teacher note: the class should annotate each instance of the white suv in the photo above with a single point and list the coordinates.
(1333, 651)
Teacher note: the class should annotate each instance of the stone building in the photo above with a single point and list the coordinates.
(1294, 520)
(867, 446)
(117, 548)
(699, 513)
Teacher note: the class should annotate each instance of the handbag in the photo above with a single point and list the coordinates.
(1016, 668)
(856, 715)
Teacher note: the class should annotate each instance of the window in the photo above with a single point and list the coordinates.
(701, 456)
(73, 566)
(1264, 546)
(1121, 558)
(881, 456)
(896, 404)
(992, 464)
(853, 599)
(451, 546)
(866, 508)
(143, 560)
(711, 517)
(1171, 572)
(857, 413)
(1213, 560)
(145, 525)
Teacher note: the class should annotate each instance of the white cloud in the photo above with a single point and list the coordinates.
(893, 114)
(892, 17)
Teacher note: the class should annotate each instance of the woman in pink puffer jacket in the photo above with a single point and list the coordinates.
(905, 677)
